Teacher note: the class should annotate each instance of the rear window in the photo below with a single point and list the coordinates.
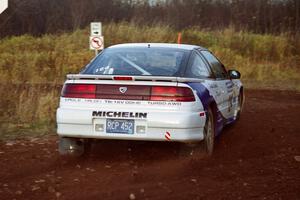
(138, 61)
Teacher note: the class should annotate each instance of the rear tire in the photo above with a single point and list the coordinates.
(206, 147)
(209, 133)
(239, 107)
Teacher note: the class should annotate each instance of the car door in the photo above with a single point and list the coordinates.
(221, 86)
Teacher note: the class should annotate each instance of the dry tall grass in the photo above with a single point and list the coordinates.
(48, 59)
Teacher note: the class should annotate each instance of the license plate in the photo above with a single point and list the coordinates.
(123, 126)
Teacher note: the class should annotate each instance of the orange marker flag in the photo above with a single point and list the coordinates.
(179, 38)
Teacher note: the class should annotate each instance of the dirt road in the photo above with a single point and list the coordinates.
(257, 158)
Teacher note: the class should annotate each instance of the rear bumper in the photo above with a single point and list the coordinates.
(152, 134)
(179, 125)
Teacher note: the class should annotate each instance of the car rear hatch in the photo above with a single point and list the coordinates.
(90, 104)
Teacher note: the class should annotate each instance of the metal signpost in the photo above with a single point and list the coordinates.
(96, 38)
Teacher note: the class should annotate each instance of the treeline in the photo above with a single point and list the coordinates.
(38, 17)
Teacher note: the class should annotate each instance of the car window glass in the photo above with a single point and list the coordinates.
(198, 68)
(137, 61)
(217, 67)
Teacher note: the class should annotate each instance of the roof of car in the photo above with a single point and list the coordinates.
(158, 45)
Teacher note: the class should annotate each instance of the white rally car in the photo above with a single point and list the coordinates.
(155, 92)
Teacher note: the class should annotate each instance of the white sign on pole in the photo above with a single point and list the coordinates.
(96, 29)
(3, 5)
(96, 38)
(96, 42)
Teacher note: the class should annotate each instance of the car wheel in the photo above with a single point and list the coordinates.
(73, 146)
(209, 133)
(239, 106)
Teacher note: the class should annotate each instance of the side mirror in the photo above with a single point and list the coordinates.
(234, 74)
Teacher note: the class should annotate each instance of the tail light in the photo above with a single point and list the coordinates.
(86, 91)
(132, 92)
(165, 93)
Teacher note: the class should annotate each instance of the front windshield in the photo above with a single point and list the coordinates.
(138, 61)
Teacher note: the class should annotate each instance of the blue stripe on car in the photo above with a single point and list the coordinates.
(207, 100)
(230, 120)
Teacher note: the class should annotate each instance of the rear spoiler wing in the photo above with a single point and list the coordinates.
(134, 78)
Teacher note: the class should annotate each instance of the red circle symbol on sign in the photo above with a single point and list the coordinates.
(96, 42)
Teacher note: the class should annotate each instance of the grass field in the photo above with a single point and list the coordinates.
(32, 69)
